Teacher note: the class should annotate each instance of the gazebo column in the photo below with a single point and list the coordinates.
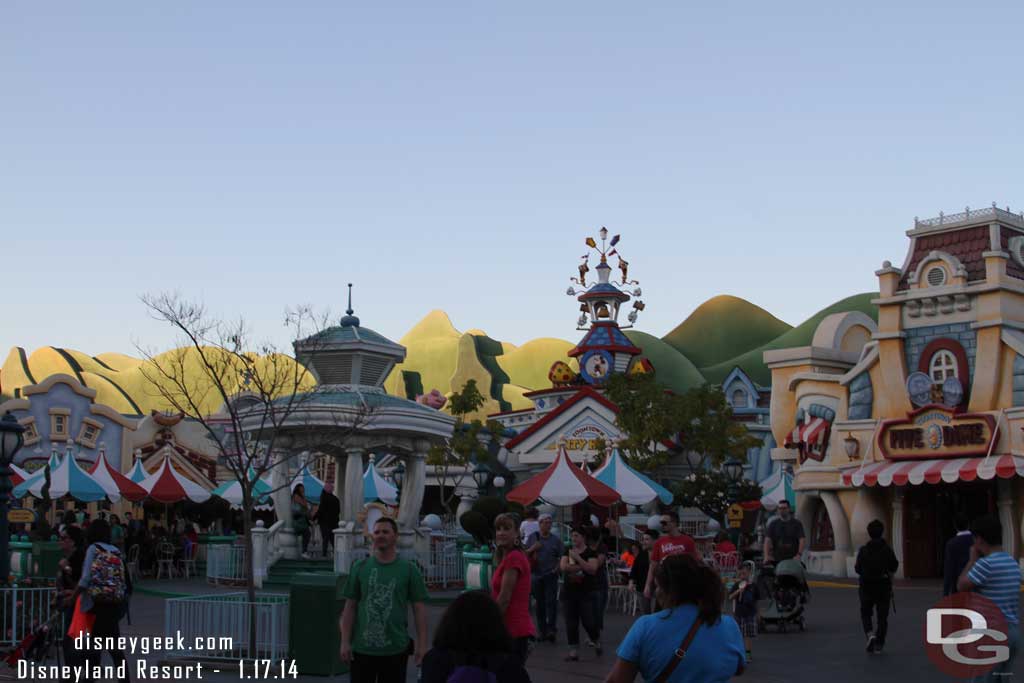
(413, 486)
(352, 496)
(282, 497)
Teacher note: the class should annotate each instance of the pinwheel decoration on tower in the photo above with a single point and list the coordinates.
(600, 301)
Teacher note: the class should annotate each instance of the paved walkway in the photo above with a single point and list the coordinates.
(831, 650)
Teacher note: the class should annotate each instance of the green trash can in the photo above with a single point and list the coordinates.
(21, 557)
(314, 610)
(478, 568)
(45, 557)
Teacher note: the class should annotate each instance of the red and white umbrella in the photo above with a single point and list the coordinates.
(114, 483)
(18, 475)
(563, 483)
(167, 486)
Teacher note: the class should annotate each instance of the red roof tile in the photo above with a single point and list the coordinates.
(967, 245)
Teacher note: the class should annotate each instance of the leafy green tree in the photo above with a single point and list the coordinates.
(454, 460)
(709, 491)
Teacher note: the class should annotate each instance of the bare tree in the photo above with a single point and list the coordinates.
(249, 397)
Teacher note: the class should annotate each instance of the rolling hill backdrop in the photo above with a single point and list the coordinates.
(720, 334)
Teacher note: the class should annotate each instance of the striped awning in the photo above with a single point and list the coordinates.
(902, 472)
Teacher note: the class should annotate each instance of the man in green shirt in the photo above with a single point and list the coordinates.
(374, 624)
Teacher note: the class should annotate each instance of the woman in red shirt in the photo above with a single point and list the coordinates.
(510, 584)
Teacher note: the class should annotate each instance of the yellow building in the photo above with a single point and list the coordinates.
(919, 417)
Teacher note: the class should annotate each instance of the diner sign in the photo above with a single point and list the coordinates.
(935, 431)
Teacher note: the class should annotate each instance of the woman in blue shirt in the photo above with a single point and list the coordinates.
(692, 591)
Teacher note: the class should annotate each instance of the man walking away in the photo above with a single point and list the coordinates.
(958, 551)
(991, 572)
(545, 551)
(374, 623)
(785, 538)
(529, 526)
(327, 515)
(876, 564)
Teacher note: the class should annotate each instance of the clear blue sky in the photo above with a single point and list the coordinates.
(454, 155)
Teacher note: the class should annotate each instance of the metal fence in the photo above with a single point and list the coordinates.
(22, 610)
(226, 564)
(442, 565)
(217, 626)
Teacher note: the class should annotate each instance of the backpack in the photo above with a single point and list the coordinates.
(468, 673)
(875, 560)
(107, 584)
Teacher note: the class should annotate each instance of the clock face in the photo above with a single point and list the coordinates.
(595, 366)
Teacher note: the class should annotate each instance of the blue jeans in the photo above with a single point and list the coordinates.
(1003, 673)
(545, 593)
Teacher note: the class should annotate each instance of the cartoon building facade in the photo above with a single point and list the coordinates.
(920, 417)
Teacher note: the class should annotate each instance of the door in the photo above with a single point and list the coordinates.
(920, 545)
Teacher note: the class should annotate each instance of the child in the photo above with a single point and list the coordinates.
(743, 593)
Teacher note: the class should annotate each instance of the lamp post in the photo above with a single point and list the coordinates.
(733, 471)
(694, 461)
(11, 440)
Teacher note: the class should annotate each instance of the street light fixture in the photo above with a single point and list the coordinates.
(399, 474)
(481, 475)
(11, 440)
(694, 461)
(733, 470)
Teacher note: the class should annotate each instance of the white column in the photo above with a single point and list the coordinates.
(352, 496)
(280, 481)
(259, 553)
(897, 527)
(840, 532)
(412, 491)
(1004, 503)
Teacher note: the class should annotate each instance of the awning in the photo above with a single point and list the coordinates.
(808, 433)
(900, 473)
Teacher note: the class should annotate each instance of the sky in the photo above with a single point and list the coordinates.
(258, 155)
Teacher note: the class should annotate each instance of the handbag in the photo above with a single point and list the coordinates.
(679, 654)
(81, 622)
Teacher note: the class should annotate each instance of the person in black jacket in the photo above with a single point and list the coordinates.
(876, 563)
(641, 565)
(328, 512)
(956, 555)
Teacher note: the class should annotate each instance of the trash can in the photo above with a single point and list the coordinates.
(21, 557)
(478, 568)
(314, 610)
(45, 558)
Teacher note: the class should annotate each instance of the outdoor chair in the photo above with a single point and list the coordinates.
(165, 560)
(188, 559)
(133, 563)
(618, 590)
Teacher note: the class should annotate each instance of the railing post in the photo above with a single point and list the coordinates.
(259, 553)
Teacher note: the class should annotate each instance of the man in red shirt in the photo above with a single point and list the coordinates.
(671, 542)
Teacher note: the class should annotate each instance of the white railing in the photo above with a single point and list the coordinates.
(23, 610)
(226, 564)
(217, 626)
(630, 531)
(969, 214)
(442, 565)
(274, 550)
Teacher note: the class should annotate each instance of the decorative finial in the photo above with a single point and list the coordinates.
(349, 320)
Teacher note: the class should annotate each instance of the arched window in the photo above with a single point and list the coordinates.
(739, 399)
(943, 365)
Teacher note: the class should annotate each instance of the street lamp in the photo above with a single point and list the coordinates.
(398, 474)
(733, 470)
(694, 461)
(481, 474)
(11, 440)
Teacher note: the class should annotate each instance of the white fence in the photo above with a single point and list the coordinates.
(225, 564)
(217, 626)
(22, 610)
(442, 566)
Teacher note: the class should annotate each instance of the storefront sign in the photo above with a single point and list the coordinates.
(735, 515)
(20, 516)
(936, 431)
(585, 439)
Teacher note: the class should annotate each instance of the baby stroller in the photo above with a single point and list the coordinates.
(785, 585)
(37, 645)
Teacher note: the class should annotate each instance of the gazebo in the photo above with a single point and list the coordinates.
(347, 416)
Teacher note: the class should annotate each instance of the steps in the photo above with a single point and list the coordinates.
(281, 573)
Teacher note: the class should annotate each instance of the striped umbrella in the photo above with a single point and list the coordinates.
(312, 486)
(777, 488)
(634, 487)
(19, 475)
(375, 487)
(231, 491)
(138, 473)
(563, 483)
(167, 486)
(33, 484)
(114, 483)
(69, 479)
